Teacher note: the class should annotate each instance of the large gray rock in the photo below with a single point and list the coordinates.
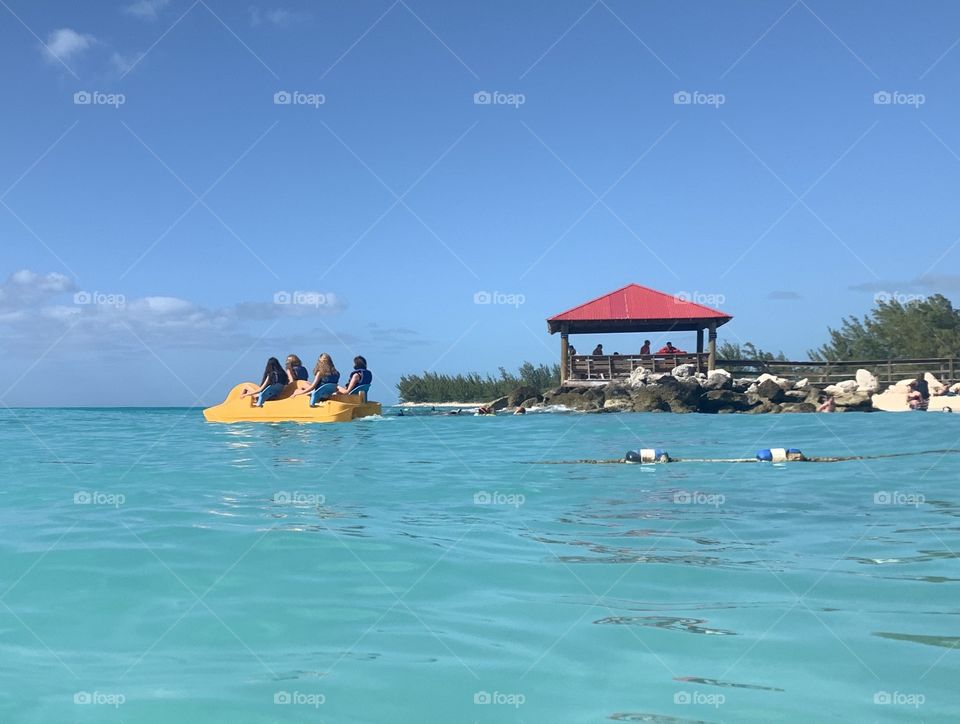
(841, 388)
(683, 371)
(714, 401)
(798, 407)
(770, 390)
(668, 394)
(576, 401)
(718, 380)
(500, 403)
(618, 404)
(853, 401)
(524, 392)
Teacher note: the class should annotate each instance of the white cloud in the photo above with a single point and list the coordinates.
(277, 17)
(38, 309)
(146, 9)
(64, 43)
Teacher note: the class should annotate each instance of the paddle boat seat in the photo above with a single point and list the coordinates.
(360, 388)
(323, 392)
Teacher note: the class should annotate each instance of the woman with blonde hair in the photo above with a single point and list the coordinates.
(324, 373)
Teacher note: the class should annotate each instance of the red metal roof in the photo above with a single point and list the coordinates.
(634, 302)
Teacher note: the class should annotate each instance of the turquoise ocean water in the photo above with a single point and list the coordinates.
(156, 568)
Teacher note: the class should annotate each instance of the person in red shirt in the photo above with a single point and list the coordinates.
(668, 348)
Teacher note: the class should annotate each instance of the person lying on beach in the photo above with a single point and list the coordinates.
(324, 373)
(360, 376)
(274, 380)
(295, 369)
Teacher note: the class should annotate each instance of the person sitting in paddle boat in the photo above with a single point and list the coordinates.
(325, 380)
(274, 380)
(359, 377)
(296, 370)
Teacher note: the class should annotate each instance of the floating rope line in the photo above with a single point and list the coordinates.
(776, 455)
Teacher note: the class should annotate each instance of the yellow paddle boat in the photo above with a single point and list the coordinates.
(329, 405)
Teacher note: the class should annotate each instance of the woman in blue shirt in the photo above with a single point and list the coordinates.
(360, 376)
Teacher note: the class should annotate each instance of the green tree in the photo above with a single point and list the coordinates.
(893, 330)
(472, 387)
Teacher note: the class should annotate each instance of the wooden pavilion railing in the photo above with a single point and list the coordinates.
(611, 367)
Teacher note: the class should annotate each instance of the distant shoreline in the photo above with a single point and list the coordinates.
(440, 404)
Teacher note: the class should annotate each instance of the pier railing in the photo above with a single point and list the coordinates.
(600, 368)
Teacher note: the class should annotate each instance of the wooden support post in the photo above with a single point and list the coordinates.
(699, 349)
(564, 357)
(712, 347)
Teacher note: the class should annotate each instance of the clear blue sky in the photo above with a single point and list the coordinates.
(198, 199)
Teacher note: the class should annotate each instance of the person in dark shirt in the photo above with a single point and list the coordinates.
(645, 349)
(295, 369)
(598, 350)
(360, 376)
(274, 380)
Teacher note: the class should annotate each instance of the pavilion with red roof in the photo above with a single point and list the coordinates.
(637, 309)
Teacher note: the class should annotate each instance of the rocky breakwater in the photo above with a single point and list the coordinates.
(683, 389)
